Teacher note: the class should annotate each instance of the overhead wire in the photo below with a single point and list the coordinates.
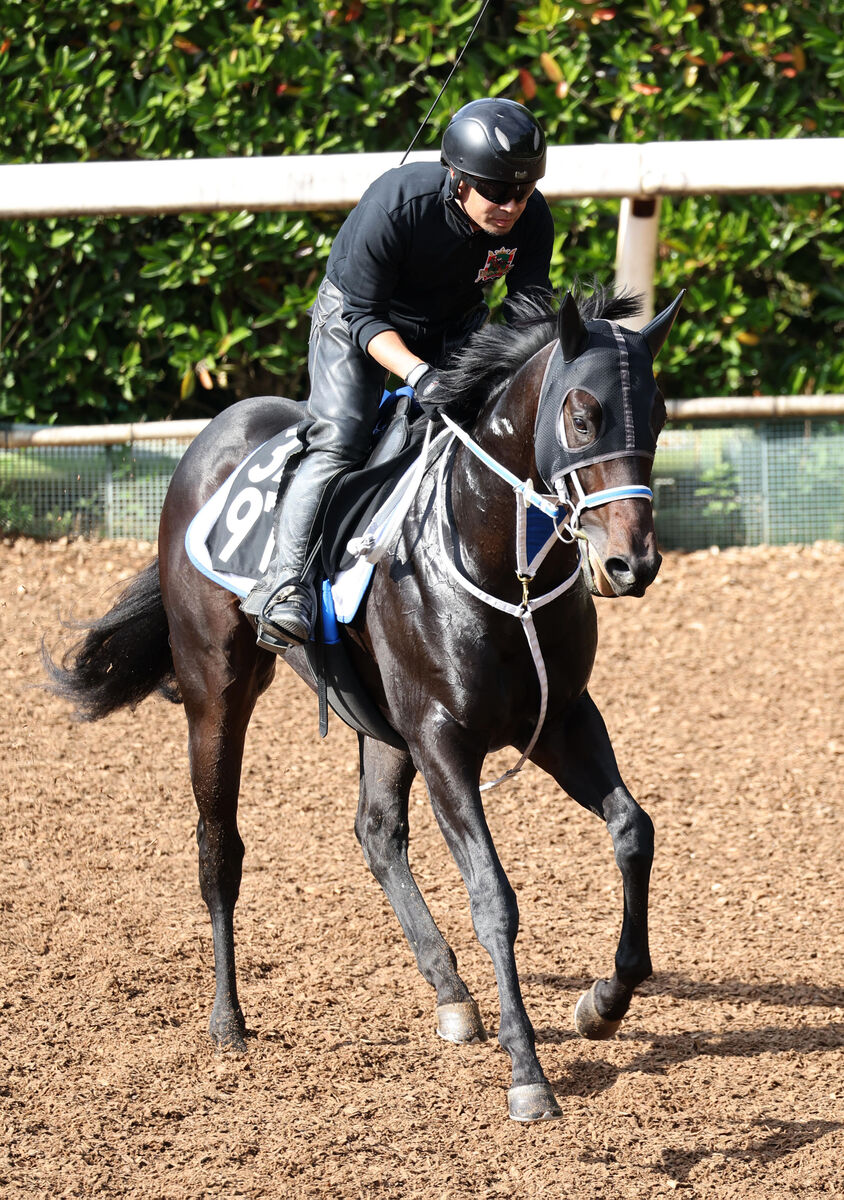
(448, 80)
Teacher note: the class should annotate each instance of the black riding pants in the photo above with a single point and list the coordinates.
(346, 390)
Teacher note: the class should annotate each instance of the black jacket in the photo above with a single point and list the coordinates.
(407, 259)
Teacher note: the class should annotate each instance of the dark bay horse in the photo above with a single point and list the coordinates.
(466, 641)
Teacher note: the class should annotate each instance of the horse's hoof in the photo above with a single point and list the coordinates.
(588, 1021)
(229, 1034)
(533, 1102)
(460, 1022)
(233, 1042)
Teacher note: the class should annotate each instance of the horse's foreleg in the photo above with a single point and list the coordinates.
(577, 753)
(452, 769)
(220, 684)
(382, 830)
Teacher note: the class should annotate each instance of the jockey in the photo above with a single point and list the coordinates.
(403, 290)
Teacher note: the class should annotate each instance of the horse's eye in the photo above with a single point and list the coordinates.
(580, 420)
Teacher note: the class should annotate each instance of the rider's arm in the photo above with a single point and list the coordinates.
(389, 351)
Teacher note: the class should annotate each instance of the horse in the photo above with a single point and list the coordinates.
(465, 645)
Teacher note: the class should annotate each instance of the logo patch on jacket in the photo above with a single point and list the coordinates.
(498, 263)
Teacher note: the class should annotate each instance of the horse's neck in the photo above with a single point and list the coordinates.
(484, 506)
(504, 427)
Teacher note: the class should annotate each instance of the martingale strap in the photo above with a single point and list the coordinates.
(526, 496)
(526, 570)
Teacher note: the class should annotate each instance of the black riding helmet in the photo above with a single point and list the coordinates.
(495, 139)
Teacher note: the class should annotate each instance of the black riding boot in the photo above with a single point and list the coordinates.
(284, 602)
(346, 387)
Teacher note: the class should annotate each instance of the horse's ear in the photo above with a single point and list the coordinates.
(657, 330)
(571, 329)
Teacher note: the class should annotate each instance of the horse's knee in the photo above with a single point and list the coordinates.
(495, 910)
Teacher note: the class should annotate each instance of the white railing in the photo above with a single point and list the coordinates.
(331, 181)
(705, 408)
(639, 174)
(14, 437)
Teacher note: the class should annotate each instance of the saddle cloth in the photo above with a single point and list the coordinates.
(230, 540)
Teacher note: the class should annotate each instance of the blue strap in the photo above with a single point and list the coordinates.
(632, 491)
(330, 631)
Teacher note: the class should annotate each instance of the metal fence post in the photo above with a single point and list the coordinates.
(109, 495)
(766, 488)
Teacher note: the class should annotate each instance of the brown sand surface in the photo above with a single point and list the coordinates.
(724, 692)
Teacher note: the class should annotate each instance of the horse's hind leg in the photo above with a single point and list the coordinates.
(382, 829)
(578, 754)
(221, 673)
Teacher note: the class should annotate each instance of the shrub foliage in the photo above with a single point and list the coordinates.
(133, 318)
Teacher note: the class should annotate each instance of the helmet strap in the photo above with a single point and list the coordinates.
(455, 180)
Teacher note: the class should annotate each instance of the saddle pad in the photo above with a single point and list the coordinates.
(230, 540)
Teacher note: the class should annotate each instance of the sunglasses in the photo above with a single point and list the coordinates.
(498, 191)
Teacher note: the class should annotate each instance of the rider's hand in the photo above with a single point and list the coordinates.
(429, 392)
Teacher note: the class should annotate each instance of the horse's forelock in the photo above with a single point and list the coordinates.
(604, 303)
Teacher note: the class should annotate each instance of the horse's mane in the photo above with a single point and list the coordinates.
(495, 353)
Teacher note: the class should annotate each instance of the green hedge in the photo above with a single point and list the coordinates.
(118, 319)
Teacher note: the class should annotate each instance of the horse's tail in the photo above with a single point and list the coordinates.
(123, 657)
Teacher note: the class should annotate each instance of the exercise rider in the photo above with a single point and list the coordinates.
(403, 290)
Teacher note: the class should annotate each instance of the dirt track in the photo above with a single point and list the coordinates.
(724, 691)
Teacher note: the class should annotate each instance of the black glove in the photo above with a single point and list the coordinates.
(430, 394)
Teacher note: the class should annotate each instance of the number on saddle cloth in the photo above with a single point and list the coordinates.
(241, 540)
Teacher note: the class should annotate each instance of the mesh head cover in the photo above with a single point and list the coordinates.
(616, 367)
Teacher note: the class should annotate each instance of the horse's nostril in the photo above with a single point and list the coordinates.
(619, 571)
(631, 577)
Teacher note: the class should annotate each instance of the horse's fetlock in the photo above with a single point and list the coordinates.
(517, 1037)
(631, 970)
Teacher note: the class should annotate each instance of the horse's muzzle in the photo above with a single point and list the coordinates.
(620, 575)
